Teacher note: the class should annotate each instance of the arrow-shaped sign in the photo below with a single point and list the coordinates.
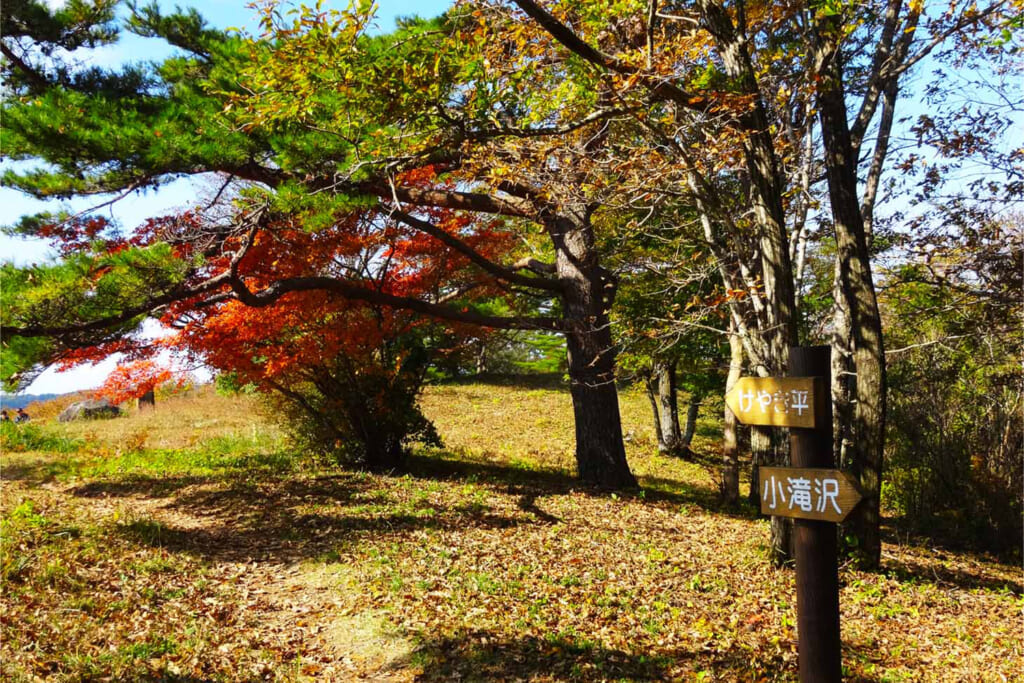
(773, 401)
(808, 493)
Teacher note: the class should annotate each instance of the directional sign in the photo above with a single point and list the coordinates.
(773, 401)
(808, 493)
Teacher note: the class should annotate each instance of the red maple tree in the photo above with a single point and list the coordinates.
(137, 378)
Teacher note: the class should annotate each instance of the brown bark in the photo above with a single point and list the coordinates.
(692, 411)
(764, 446)
(779, 322)
(730, 444)
(651, 384)
(858, 292)
(766, 187)
(588, 292)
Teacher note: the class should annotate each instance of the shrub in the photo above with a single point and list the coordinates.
(19, 438)
(357, 413)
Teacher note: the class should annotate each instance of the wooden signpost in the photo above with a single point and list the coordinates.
(816, 495)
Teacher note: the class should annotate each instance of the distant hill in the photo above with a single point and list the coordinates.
(16, 401)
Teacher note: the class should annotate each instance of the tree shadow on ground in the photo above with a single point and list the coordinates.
(931, 533)
(921, 558)
(287, 518)
(238, 516)
(911, 571)
(277, 520)
(141, 486)
(539, 482)
(860, 654)
(549, 380)
(36, 472)
(484, 656)
(289, 539)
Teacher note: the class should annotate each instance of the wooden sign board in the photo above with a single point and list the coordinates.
(773, 401)
(808, 493)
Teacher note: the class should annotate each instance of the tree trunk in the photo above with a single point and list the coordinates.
(670, 441)
(779, 324)
(651, 384)
(148, 400)
(692, 410)
(764, 450)
(756, 449)
(385, 454)
(730, 444)
(600, 454)
(858, 289)
(481, 358)
(588, 293)
(842, 374)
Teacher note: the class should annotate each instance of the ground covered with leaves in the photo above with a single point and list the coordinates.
(188, 544)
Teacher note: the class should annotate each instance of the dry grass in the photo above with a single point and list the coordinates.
(532, 427)
(485, 562)
(181, 421)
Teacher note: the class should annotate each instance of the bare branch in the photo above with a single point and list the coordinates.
(498, 271)
(544, 131)
(275, 291)
(660, 88)
(534, 265)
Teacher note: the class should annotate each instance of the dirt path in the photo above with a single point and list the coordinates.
(304, 609)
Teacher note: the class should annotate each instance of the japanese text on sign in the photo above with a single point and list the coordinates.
(774, 401)
(807, 493)
(778, 401)
(800, 494)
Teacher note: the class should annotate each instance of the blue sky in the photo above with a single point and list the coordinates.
(179, 194)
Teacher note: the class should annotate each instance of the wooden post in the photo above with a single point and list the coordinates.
(817, 566)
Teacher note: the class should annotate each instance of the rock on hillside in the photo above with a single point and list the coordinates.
(88, 410)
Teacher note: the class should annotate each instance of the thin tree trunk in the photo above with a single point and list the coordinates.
(766, 195)
(730, 444)
(756, 453)
(481, 358)
(858, 293)
(651, 384)
(148, 400)
(764, 450)
(670, 439)
(842, 374)
(692, 410)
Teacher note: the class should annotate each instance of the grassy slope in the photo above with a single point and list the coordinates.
(185, 542)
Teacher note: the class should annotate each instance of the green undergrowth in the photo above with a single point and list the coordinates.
(208, 458)
(19, 438)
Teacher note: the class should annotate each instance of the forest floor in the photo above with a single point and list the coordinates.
(188, 544)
